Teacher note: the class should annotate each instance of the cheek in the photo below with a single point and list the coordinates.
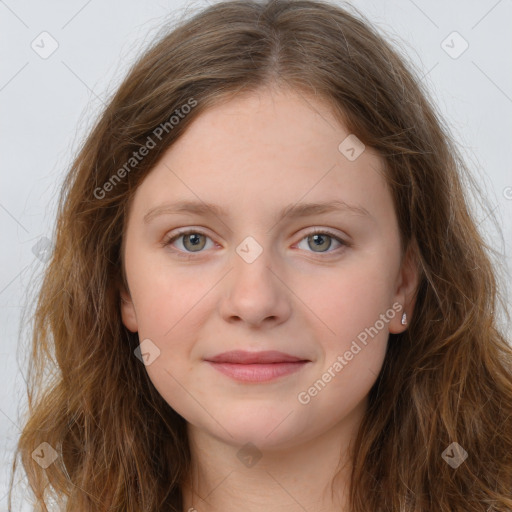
(164, 296)
(169, 307)
(346, 302)
(353, 340)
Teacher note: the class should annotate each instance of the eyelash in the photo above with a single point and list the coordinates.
(187, 255)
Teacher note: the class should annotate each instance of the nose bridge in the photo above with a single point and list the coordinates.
(252, 263)
(254, 292)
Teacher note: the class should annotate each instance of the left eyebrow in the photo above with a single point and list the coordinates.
(293, 210)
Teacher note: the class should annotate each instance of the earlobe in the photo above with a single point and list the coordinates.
(406, 290)
(128, 311)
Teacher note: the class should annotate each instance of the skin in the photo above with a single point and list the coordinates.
(253, 156)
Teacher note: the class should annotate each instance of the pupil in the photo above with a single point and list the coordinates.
(318, 240)
(196, 239)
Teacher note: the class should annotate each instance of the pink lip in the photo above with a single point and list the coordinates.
(256, 366)
(244, 357)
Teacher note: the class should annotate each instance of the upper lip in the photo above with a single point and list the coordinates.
(244, 357)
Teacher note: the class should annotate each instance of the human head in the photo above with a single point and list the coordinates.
(255, 156)
(310, 47)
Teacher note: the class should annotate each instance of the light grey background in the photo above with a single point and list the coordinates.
(48, 104)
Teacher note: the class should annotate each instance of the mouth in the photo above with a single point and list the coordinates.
(256, 366)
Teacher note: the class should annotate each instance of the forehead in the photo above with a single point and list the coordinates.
(265, 149)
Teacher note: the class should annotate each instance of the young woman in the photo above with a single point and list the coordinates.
(268, 291)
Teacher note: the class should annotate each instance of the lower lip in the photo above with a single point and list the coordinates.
(258, 372)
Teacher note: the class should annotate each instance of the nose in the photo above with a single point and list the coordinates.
(254, 293)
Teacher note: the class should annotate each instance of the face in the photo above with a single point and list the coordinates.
(323, 286)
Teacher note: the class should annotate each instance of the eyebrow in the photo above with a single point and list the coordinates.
(292, 211)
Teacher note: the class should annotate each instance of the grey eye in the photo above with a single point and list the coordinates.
(192, 241)
(320, 242)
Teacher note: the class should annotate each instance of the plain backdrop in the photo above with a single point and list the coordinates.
(48, 102)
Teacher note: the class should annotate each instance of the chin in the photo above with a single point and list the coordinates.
(262, 427)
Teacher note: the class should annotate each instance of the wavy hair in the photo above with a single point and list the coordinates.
(447, 378)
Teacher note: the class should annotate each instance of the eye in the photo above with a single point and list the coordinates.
(193, 241)
(319, 239)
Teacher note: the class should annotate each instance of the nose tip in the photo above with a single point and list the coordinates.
(254, 293)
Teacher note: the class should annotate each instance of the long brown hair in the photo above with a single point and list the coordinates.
(446, 379)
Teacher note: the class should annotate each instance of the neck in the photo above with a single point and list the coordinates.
(312, 475)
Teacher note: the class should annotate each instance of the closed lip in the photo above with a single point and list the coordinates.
(244, 357)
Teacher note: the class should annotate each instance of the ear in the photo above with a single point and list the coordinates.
(407, 287)
(128, 310)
